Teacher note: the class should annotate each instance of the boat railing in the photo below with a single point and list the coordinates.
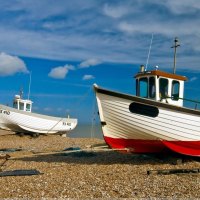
(184, 99)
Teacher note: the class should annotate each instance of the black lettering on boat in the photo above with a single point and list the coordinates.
(5, 112)
(142, 109)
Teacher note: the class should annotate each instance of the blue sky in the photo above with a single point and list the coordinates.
(69, 45)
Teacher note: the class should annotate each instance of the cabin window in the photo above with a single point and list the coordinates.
(137, 90)
(143, 87)
(15, 105)
(21, 106)
(163, 87)
(152, 88)
(28, 107)
(175, 90)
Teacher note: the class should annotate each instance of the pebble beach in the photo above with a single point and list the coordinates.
(90, 172)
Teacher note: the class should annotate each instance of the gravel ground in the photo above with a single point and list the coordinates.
(89, 175)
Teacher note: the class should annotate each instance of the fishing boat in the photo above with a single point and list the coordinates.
(152, 121)
(21, 119)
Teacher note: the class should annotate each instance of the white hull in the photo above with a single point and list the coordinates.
(119, 123)
(169, 125)
(28, 122)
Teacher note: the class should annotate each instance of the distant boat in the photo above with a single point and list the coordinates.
(20, 119)
(154, 120)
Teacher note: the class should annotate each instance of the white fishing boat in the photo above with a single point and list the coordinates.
(21, 119)
(153, 120)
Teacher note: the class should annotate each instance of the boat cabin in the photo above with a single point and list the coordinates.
(160, 86)
(22, 104)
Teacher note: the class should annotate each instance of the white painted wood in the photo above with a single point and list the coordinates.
(169, 125)
(28, 122)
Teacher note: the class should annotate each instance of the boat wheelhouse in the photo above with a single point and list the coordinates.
(22, 104)
(160, 86)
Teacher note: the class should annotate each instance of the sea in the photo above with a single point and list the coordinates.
(86, 131)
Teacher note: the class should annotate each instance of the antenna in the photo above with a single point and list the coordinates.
(21, 92)
(149, 52)
(176, 44)
(29, 88)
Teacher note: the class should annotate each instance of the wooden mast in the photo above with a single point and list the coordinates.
(176, 44)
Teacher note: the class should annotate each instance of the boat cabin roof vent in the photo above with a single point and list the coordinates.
(17, 96)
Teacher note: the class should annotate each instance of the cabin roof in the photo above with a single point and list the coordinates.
(161, 73)
(23, 101)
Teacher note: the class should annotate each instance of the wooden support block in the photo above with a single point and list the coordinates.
(172, 171)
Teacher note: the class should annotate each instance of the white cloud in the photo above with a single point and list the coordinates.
(193, 79)
(114, 12)
(181, 7)
(60, 72)
(88, 77)
(9, 65)
(47, 109)
(89, 63)
(120, 33)
(127, 27)
(63, 110)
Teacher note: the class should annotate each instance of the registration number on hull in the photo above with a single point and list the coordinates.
(6, 112)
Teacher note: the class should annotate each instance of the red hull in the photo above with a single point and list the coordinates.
(136, 146)
(191, 148)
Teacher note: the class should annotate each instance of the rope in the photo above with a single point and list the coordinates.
(54, 125)
(82, 98)
(79, 102)
(93, 118)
